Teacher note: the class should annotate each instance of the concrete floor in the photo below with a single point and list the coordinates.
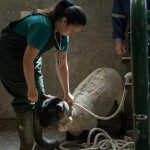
(9, 139)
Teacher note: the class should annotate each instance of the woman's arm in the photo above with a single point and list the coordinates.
(28, 67)
(63, 74)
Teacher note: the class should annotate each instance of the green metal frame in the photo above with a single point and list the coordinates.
(139, 66)
(148, 13)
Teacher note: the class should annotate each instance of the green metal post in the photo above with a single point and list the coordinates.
(139, 61)
(148, 13)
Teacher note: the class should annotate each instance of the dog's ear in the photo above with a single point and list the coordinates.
(63, 106)
(60, 107)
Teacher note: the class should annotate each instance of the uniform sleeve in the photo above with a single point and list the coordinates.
(38, 35)
(64, 44)
(119, 20)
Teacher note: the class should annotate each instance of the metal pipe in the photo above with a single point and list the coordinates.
(139, 67)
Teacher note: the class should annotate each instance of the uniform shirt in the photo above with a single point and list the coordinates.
(37, 29)
(120, 17)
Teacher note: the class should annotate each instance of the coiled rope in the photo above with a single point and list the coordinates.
(100, 143)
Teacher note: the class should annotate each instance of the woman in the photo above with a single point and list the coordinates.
(21, 45)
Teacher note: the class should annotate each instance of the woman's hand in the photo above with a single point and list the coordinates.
(32, 95)
(69, 98)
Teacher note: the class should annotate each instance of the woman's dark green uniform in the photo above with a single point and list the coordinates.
(12, 48)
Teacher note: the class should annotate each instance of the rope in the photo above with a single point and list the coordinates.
(100, 143)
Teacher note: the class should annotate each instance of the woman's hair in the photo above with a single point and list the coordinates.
(65, 8)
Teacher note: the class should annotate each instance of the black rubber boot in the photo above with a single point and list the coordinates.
(25, 130)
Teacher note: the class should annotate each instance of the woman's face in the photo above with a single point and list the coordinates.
(66, 29)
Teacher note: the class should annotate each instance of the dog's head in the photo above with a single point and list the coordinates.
(53, 110)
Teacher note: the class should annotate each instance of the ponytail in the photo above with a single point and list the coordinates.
(58, 10)
(66, 8)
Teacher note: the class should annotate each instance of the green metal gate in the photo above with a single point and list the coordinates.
(139, 67)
